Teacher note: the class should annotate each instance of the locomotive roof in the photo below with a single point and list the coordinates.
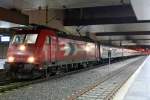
(33, 28)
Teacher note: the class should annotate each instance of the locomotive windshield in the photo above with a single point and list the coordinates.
(24, 38)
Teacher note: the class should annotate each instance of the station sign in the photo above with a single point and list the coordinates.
(5, 38)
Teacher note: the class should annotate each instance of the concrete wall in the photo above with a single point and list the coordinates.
(55, 17)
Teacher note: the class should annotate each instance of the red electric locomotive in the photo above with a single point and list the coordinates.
(39, 50)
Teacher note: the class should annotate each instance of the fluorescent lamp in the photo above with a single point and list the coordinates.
(5, 24)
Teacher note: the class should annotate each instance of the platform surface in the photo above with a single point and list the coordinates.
(140, 88)
(106, 89)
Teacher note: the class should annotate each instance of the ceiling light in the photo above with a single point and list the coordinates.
(5, 24)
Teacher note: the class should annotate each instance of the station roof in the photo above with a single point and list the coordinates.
(129, 33)
(59, 4)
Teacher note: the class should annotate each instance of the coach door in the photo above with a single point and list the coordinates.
(47, 49)
(53, 49)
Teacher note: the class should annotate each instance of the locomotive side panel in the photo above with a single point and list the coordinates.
(47, 43)
(75, 51)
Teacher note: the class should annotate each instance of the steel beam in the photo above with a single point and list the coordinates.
(123, 33)
(127, 40)
(136, 46)
(100, 15)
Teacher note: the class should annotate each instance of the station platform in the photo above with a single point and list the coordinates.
(137, 87)
(107, 89)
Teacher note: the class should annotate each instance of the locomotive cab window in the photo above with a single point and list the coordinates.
(24, 38)
(18, 39)
(31, 38)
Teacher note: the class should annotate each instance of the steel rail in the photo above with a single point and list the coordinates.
(80, 92)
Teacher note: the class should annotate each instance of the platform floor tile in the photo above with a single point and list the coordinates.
(104, 89)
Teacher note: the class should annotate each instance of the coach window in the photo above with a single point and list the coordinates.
(48, 40)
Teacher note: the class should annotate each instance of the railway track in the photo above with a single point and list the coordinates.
(110, 95)
(9, 85)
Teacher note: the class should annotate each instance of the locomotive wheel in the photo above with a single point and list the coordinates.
(52, 71)
(75, 66)
(35, 74)
(12, 76)
(60, 70)
(84, 65)
(49, 72)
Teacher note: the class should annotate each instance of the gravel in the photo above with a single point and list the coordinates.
(61, 88)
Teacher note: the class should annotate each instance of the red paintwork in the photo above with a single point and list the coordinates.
(54, 52)
(21, 56)
(80, 54)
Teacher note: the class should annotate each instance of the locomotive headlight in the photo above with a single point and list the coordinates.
(10, 59)
(87, 48)
(31, 59)
(22, 47)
